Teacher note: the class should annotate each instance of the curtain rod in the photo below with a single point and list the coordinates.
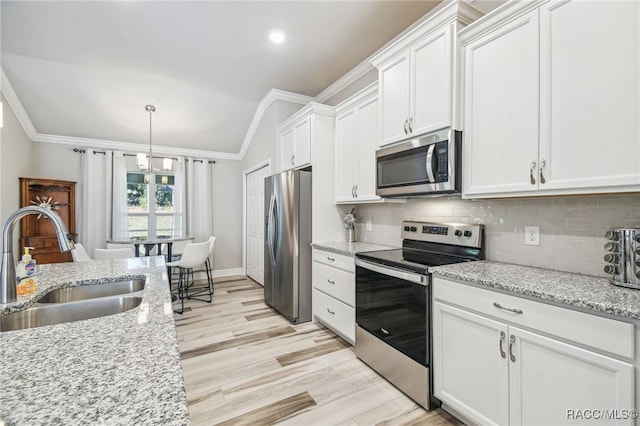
(82, 151)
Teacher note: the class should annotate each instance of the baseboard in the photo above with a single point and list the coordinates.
(227, 272)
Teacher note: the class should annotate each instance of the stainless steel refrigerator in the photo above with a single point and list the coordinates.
(287, 254)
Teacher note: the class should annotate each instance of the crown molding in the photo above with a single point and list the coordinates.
(14, 102)
(345, 81)
(271, 97)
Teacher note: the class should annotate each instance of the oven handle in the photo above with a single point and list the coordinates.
(393, 272)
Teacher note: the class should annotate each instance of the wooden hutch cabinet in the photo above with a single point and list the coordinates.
(40, 233)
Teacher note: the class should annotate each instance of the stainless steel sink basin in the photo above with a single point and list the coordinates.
(49, 314)
(92, 291)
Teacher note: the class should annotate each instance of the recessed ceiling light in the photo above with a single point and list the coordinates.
(277, 36)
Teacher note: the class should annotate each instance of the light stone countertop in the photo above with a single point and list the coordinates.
(586, 292)
(349, 249)
(121, 369)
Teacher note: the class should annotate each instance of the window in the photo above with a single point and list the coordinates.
(152, 216)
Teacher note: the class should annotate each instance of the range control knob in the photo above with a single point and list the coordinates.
(457, 233)
(467, 233)
(407, 228)
(637, 238)
(611, 258)
(612, 246)
(414, 229)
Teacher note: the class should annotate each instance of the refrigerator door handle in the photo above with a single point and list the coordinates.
(270, 225)
(276, 229)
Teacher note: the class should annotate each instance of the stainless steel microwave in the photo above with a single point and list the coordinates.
(427, 165)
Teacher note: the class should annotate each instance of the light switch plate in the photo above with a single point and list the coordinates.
(532, 235)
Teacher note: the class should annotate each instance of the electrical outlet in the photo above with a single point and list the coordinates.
(368, 224)
(532, 235)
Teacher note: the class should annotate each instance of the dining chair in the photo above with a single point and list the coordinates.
(118, 253)
(195, 255)
(79, 254)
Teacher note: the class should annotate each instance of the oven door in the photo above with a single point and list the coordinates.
(393, 305)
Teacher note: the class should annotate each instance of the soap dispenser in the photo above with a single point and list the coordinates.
(25, 272)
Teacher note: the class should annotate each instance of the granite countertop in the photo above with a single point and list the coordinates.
(121, 369)
(586, 292)
(349, 249)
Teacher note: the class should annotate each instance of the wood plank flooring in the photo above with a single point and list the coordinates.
(244, 364)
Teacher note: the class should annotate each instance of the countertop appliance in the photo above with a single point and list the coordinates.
(427, 165)
(287, 254)
(393, 301)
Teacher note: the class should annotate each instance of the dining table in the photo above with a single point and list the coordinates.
(149, 243)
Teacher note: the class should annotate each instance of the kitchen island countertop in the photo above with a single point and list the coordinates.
(121, 369)
(349, 249)
(588, 293)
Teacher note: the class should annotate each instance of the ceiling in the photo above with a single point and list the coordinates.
(86, 69)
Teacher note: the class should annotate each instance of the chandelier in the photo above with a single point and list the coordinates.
(145, 162)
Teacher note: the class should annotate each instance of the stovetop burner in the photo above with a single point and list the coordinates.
(428, 244)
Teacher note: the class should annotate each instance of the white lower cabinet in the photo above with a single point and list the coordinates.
(333, 278)
(504, 367)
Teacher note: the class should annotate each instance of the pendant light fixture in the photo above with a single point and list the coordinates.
(144, 162)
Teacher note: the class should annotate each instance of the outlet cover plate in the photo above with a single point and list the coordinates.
(532, 235)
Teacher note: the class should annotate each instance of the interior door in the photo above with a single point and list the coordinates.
(255, 229)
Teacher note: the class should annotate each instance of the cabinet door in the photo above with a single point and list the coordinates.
(287, 158)
(394, 99)
(368, 143)
(430, 87)
(501, 109)
(346, 155)
(470, 365)
(549, 378)
(590, 94)
(302, 142)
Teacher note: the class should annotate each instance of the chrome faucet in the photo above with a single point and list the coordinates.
(8, 281)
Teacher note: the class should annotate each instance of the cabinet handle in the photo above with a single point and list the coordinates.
(532, 179)
(542, 164)
(405, 126)
(330, 282)
(502, 338)
(356, 189)
(353, 191)
(512, 341)
(330, 311)
(331, 259)
(293, 159)
(515, 310)
(410, 124)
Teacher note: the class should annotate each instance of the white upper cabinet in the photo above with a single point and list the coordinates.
(552, 99)
(298, 135)
(356, 144)
(418, 75)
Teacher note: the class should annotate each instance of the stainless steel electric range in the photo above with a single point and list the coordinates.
(393, 301)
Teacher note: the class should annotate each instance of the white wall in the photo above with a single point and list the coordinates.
(571, 228)
(17, 161)
(227, 214)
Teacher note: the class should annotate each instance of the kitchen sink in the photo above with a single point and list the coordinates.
(48, 314)
(82, 292)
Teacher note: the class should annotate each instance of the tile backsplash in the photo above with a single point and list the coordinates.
(571, 228)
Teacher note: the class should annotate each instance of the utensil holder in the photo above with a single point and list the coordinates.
(351, 235)
(623, 257)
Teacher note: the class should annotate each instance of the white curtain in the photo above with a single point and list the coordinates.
(119, 218)
(179, 199)
(199, 185)
(95, 198)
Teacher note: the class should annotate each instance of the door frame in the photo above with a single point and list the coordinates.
(245, 173)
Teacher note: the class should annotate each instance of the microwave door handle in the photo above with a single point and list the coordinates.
(429, 163)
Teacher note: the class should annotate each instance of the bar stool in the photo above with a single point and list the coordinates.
(195, 255)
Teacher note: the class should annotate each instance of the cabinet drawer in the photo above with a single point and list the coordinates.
(335, 315)
(333, 259)
(335, 282)
(605, 334)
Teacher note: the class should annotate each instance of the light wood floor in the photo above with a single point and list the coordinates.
(246, 365)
